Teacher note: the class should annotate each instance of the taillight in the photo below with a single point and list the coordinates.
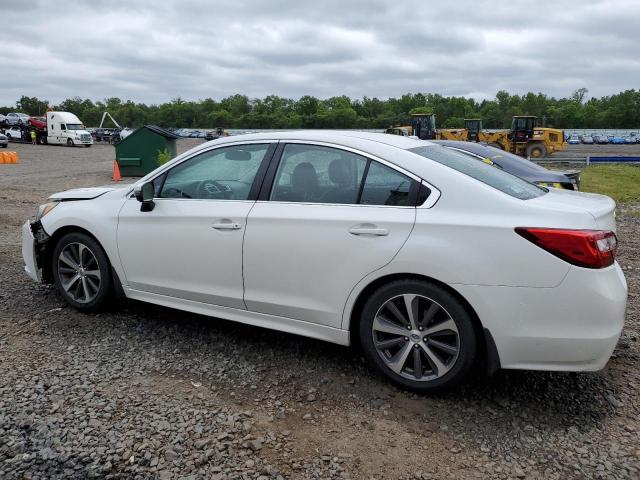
(585, 248)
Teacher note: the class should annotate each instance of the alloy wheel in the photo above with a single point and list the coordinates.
(79, 272)
(416, 337)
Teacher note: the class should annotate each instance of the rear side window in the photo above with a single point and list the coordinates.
(319, 174)
(483, 172)
(385, 186)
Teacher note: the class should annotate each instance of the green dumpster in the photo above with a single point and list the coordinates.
(137, 154)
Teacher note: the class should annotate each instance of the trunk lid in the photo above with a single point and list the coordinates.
(601, 207)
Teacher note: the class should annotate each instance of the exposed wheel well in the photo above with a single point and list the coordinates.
(486, 347)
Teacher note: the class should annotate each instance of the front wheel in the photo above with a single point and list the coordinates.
(537, 150)
(418, 335)
(81, 271)
(69, 142)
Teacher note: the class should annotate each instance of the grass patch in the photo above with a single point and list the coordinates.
(620, 182)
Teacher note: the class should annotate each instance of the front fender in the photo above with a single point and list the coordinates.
(98, 217)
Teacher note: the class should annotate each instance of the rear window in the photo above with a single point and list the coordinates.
(483, 172)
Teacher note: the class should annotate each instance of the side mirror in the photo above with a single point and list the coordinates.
(144, 194)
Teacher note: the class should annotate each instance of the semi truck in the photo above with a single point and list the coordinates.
(59, 128)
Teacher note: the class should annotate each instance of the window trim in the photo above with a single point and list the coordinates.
(269, 179)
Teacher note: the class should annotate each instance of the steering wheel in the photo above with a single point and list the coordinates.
(213, 189)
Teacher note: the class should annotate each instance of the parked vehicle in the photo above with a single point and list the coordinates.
(574, 139)
(431, 260)
(64, 128)
(587, 139)
(4, 140)
(515, 165)
(14, 118)
(629, 139)
(600, 139)
(38, 122)
(3, 120)
(616, 139)
(14, 133)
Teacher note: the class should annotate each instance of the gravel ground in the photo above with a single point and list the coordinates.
(148, 392)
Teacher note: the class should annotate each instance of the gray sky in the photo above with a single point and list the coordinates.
(153, 51)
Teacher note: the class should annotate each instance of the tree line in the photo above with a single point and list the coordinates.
(621, 110)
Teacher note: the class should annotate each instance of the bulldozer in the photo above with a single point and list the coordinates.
(524, 138)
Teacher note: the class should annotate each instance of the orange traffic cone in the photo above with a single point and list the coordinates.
(116, 171)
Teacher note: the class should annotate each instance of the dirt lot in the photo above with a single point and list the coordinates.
(149, 392)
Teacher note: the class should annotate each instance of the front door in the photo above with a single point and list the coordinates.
(331, 218)
(190, 245)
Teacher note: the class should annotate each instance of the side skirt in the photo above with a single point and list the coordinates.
(273, 322)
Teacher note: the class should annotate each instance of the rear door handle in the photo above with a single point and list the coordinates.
(379, 232)
(226, 225)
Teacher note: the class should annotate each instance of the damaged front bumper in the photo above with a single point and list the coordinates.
(34, 240)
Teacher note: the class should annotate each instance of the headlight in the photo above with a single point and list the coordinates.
(46, 208)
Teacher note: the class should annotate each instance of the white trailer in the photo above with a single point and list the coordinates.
(64, 128)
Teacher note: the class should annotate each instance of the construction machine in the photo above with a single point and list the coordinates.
(423, 126)
(525, 139)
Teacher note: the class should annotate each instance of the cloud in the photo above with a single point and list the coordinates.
(154, 51)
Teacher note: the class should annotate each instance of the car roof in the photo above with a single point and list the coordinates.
(333, 136)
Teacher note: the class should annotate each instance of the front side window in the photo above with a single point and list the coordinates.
(311, 173)
(220, 174)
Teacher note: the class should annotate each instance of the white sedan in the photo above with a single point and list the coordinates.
(429, 260)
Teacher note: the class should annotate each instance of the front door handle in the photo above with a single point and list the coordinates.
(226, 225)
(373, 230)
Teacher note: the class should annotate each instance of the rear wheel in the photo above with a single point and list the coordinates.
(536, 150)
(81, 271)
(418, 335)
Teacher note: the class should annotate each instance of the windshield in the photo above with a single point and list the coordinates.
(483, 172)
(75, 126)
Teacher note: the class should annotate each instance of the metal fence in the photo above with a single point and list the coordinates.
(589, 159)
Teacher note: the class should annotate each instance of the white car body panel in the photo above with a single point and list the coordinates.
(303, 272)
(205, 263)
(291, 251)
(83, 193)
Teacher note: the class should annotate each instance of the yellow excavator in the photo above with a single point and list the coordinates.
(524, 138)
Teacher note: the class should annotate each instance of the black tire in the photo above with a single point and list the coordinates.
(88, 145)
(459, 366)
(69, 142)
(6, 145)
(536, 150)
(105, 289)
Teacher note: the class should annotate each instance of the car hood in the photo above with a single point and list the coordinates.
(87, 193)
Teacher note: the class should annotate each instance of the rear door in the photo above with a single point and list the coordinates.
(327, 216)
